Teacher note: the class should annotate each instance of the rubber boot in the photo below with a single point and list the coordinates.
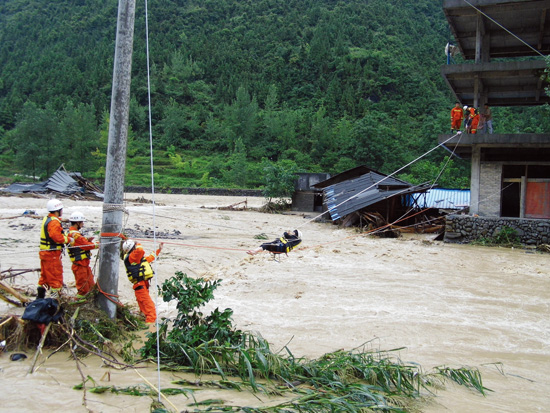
(41, 292)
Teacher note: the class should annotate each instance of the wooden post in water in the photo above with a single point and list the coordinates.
(116, 157)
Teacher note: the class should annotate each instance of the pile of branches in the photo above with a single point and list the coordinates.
(10, 294)
(83, 329)
(277, 207)
(372, 222)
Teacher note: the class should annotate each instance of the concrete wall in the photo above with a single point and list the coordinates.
(490, 186)
(303, 201)
(466, 228)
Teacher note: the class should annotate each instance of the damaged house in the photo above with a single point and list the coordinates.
(369, 199)
(60, 182)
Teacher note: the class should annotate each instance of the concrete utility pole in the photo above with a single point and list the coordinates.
(116, 156)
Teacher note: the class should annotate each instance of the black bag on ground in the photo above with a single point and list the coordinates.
(43, 310)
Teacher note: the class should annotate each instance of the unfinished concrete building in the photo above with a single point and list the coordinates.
(510, 173)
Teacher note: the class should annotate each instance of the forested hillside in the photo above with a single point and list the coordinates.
(237, 87)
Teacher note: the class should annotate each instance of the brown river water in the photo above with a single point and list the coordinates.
(447, 305)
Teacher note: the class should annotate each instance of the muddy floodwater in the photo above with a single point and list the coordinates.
(447, 305)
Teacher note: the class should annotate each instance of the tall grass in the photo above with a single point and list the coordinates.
(342, 381)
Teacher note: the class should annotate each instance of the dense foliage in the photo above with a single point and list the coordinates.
(320, 85)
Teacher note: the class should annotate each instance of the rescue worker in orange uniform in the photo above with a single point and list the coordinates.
(457, 114)
(475, 121)
(80, 253)
(470, 116)
(52, 242)
(139, 271)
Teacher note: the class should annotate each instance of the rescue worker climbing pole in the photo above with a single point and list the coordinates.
(139, 271)
(52, 242)
(457, 114)
(80, 253)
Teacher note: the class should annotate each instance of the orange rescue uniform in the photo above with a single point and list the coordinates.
(139, 272)
(52, 240)
(475, 123)
(457, 114)
(79, 252)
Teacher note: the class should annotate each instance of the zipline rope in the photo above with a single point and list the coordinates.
(381, 180)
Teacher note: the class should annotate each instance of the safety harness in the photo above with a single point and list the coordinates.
(76, 253)
(46, 242)
(138, 271)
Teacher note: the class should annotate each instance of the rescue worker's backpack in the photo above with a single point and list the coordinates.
(43, 310)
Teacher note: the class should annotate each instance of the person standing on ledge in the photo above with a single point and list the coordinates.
(488, 118)
(80, 253)
(457, 114)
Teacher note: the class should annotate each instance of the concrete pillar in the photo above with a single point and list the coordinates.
(116, 157)
(479, 37)
(474, 180)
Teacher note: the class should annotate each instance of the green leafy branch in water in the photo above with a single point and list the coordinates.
(343, 381)
(465, 377)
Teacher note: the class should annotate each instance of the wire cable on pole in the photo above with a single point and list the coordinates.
(152, 187)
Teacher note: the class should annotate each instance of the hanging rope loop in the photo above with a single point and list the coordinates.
(114, 207)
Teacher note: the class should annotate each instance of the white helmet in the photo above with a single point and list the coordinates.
(128, 245)
(54, 205)
(465, 107)
(298, 233)
(77, 216)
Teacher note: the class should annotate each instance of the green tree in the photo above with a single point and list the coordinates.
(78, 136)
(445, 174)
(243, 116)
(237, 172)
(34, 140)
(279, 179)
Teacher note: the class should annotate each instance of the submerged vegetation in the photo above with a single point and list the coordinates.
(361, 379)
(344, 381)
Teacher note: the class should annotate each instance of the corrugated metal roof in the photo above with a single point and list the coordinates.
(352, 174)
(341, 199)
(60, 181)
(22, 188)
(442, 198)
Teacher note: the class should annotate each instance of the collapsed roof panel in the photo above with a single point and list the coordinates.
(352, 195)
(60, 181)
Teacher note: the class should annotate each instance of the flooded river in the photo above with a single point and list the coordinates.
(448, 305)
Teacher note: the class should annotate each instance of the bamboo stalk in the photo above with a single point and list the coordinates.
(11, 272)
(8, 300)
(39, 348)
(6, 321)
(15, 293)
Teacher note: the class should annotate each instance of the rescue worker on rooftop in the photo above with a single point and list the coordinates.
(457, 114)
